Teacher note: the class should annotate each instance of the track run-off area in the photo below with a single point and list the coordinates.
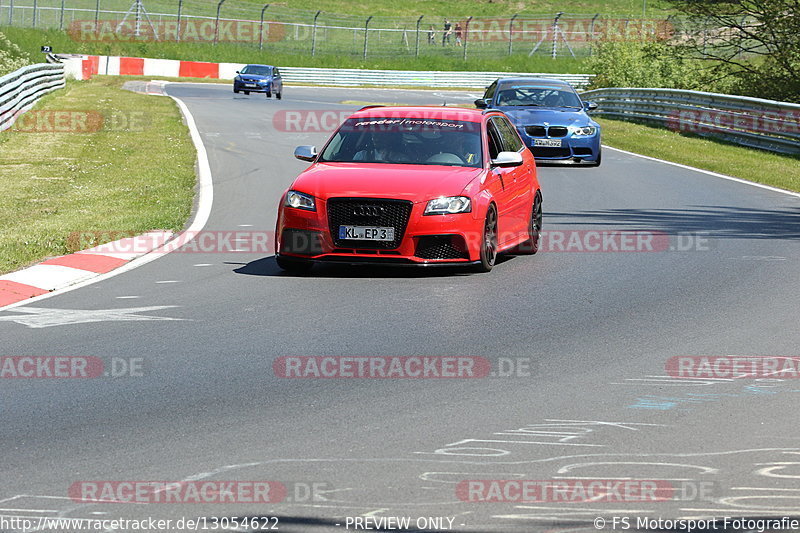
(579, 338)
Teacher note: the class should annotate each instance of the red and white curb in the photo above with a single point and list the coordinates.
(143, 66)
(22, 287)
(66, 270)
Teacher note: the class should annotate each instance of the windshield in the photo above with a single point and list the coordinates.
(537, 97)
(406, 141)
(256, 70)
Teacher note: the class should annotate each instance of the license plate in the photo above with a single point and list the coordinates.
(551, 143)
(366, 233)
(249, 84)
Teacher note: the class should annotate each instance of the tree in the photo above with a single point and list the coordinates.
(756, 42)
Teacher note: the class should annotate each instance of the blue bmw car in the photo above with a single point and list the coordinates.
(550, 116)
(259, 79)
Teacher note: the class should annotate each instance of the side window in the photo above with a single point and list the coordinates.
(511, 140)
(276, 73)
(495, 144)
(489, 94)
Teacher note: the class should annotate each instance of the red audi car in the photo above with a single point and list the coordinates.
(414, 186)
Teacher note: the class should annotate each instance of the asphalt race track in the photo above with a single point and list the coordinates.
(589, 332)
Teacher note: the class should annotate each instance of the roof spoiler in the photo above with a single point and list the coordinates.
(371, 106)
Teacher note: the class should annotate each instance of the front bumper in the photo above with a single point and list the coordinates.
(586, 148)
(427, 240)
(253, 87)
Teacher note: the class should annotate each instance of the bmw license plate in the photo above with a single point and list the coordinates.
(366, 233)
(550, 143)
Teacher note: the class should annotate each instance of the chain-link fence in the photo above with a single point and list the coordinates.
(278, 28)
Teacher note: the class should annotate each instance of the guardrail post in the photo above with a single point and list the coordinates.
(33, 20)
(314, 35)
(416, 45)
(96, 14)
(366, 35)
(555, 34)
(216, 23)
(61, 16)
(511, 33)
(261, 28)
(178, 29)
(10, 11)
(466, 36)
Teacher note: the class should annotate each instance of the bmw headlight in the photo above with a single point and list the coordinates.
(299, 200)
(583, 131)
(449, 205)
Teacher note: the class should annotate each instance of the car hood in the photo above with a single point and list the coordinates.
(560, 117)
(418, 183)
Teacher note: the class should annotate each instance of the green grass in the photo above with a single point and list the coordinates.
(464, 8)
(30, 41)
(717, 156)
(124, 177)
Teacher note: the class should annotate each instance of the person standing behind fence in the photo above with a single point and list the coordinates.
(447, 32)
(458, 33)
(431, 35)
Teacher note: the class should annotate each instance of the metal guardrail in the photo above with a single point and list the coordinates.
(20, 89)
(754, 122)
(415, 78)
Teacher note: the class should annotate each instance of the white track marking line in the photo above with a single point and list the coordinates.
(708, 172)
(205, 201)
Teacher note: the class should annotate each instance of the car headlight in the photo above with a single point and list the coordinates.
(299, 200)
(448, 205)
(583, 131)
(238, 78)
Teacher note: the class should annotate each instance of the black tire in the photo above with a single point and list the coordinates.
(268, 94)
(293, 265)
(531, 246)
(236, 90)
(247, 93)
(488, 242)
(279, 95)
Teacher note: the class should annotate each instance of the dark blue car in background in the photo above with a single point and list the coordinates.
(259, 79)
(550, 116)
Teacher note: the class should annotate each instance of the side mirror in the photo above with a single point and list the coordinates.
(306, 153)
(237, 72)
(507, 159)
(590, 106)
(481, 103)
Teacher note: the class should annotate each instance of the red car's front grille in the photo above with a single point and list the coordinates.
(368, 212)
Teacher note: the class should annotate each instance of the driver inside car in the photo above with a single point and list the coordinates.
(383, 149)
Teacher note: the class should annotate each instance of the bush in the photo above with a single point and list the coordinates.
(11, 56)
(643, 64)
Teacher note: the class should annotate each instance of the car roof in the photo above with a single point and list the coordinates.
(543, 82)
(464, 114)
(258, 65)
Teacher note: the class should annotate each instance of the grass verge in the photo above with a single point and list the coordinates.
(117, 161)
(717, 156)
